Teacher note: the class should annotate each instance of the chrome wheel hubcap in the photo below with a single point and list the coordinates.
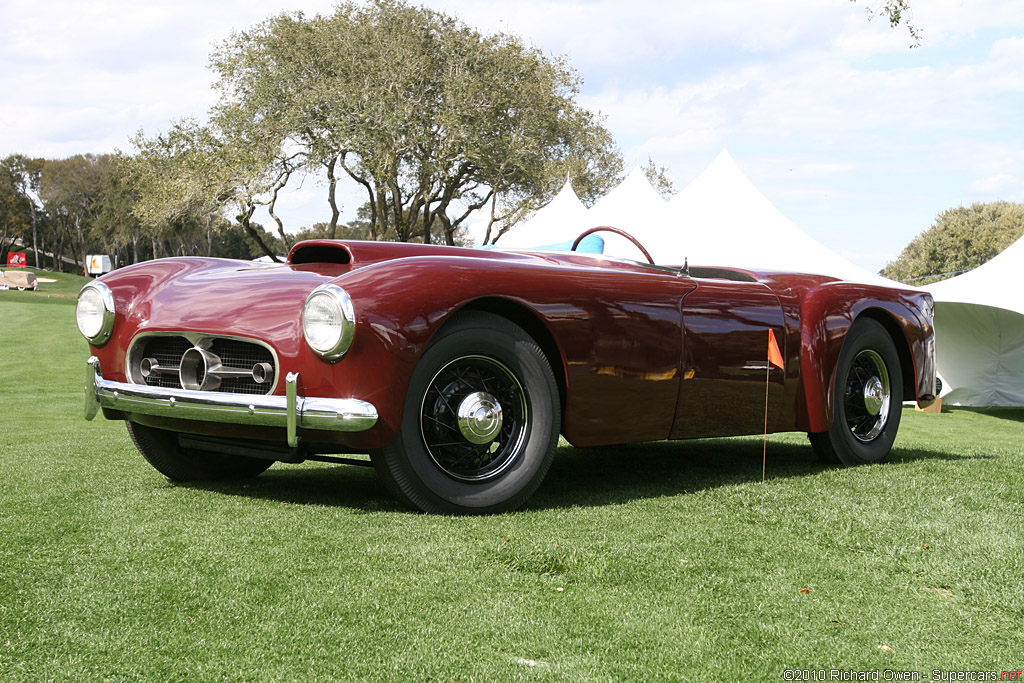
(874, 396)
(479, 417)
(868, 396)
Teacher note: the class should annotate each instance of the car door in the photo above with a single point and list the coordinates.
(724, 368)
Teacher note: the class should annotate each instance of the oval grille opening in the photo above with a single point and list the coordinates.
(156, 361)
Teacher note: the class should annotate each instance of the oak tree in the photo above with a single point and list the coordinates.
(431, 119)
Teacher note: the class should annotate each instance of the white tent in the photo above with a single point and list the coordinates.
(635, 207)
(632, 205)
(995, 283)
(728, 222)
(979, 330)
(719, 219)
(561, 219)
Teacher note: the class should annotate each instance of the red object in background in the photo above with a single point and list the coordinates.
(16, 259)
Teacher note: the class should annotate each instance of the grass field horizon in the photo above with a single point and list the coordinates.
(660, 561)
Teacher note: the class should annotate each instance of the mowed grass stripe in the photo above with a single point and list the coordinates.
(667, 561)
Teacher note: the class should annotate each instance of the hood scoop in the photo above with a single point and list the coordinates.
(320, 251)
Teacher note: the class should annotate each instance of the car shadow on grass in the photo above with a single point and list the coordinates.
(342, 486)
(619, 474)
(579, 477)
(1002, 412)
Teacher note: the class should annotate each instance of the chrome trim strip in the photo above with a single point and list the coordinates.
(292, 412)
(92, 405)
(291, 396)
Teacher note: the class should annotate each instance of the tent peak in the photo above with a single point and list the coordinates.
(565, 199)
(724, 155)
(635, 183)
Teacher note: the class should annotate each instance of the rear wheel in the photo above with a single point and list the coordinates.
(161, 449)
(481, 421)
(867, 398)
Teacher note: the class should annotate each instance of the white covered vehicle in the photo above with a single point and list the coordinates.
(20, 279)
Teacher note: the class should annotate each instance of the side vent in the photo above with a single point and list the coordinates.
(319, 252)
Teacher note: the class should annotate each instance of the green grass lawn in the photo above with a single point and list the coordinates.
(668, 561)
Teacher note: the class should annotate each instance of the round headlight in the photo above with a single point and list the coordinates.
(329, 321)
(95, 313)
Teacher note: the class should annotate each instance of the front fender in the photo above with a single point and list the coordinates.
(827, 313)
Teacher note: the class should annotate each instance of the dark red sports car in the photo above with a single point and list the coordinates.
(457, 369)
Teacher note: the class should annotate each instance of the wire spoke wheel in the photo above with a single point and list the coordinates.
(473, 418)
(867, 396)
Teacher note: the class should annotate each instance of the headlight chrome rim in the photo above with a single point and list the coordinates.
(340, 300)
(106, 326)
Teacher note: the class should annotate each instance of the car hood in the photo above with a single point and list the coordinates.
(216, 295)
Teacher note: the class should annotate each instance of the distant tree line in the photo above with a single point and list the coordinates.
(60, 210)
(959, 240)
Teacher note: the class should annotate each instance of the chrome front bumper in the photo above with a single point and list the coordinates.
(290, 411)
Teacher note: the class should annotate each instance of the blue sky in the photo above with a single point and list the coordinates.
(860, 140)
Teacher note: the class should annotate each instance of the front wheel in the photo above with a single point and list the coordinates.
(161, 449)
(481, 421)
(867, 398)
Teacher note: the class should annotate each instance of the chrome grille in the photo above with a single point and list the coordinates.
(168, 352)
(239, 354)
(213, 363)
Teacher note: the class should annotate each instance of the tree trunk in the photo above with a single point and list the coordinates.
(280, 226)
(81, 240)
(332, 185)
(376, 229)
(381, 210)
(244, 220)
(58, 252)
(35, 247)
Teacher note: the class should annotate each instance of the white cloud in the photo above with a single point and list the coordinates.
(609, 33)
(84, 76)
(1010, 49)
(1003, 185)
(950, 21)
